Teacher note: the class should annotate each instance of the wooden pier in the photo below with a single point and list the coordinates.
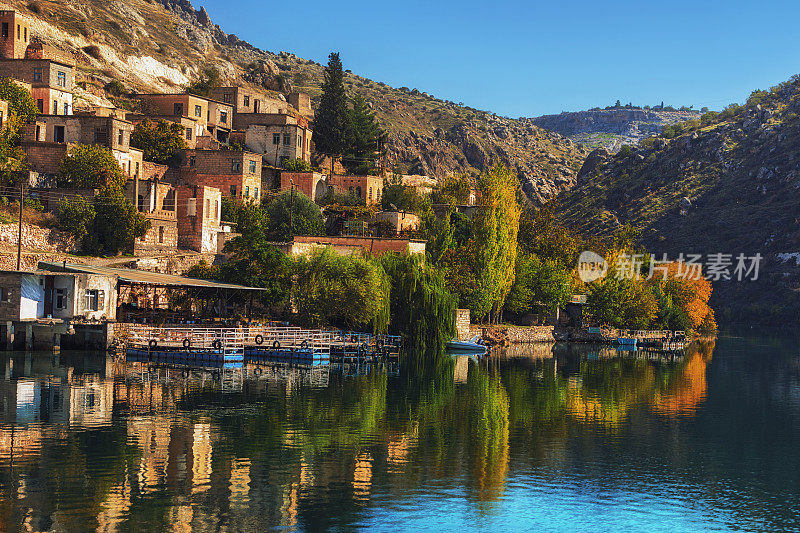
(231, 347)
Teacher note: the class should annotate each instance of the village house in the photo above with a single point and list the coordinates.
(236, 174)
(302, 103)
(51, 82)
(367, 188)
(279, 137)
(312, 184)
(43, 305)
(15, 34)
(199, 209)
(399, 221)
(46, 140)
(156, 200)
(246, 100)
(214, 118)
(305, 245)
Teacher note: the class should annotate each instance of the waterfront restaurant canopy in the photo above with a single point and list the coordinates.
(165, 296)
(143, 277)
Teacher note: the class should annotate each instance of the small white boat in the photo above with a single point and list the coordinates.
(474, 345)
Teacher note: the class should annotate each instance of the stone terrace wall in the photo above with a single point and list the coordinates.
(529, 334)
(37, 238)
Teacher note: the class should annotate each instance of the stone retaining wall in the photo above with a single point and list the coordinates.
(529, 334)
(37, 238)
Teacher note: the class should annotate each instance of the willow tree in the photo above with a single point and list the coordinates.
(496, 227)
(422, 310)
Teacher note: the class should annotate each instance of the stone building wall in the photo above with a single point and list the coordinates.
(462, 324)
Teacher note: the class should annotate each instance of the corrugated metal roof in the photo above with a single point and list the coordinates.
(143, 277)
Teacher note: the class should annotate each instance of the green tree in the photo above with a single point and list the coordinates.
(364, 138)
(453, 190)
(287, 217)
(75, 216)
(332, 117)
(404, 198)
(297, 165)
(422, 310)
(160, 141)
(116, 223)
(346, 291)
(541, 286)
(21, 105)
(209, 80)
(89, 166)
(622, 302)
(496, 228)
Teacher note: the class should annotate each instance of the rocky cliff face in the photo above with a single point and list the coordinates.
(728, 184)
(161, 45)
(611, 128)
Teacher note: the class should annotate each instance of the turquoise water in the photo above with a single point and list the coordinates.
(551, 438)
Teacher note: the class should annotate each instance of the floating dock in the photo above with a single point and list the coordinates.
(232, 347)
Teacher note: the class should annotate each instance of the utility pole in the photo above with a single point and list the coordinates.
(19, 236)
(291, 211)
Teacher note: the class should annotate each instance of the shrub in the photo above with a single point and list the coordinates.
(297, 165)
(160, 141)
(115, 88)
(91, 167)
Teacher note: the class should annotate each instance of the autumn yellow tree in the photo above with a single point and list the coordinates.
(683, 295)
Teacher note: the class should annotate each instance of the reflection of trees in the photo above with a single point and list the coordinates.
(488, 433)
(686, 388)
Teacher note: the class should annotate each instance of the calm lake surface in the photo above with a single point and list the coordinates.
(545, 437)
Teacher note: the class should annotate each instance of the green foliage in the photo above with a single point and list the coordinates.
(209, 80)
(75, 216)
(404, 198)
(625, 151)
(422, 310)
(297, 165)
(621, 302)
(496, 228)
(21, 104)
(453, 191)
(160, 141)
(363, 138)
(332, 117)
(91, 166)
(116, 223)
(115, 88)
(288, 216)
(346, 291)
(107, 225)
(541, 286)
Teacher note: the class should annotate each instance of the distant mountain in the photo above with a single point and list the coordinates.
(727, 183)
(612, 128)
(161, 45)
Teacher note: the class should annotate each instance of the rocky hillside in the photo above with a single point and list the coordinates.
(161, 45)
(611, 128)
(729, 183)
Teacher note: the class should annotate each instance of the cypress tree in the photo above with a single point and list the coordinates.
(331, 121)
(364, 137)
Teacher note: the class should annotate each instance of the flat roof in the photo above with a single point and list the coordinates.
(186, 94)
(142, 277)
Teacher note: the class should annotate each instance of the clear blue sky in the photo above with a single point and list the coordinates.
(519, 58)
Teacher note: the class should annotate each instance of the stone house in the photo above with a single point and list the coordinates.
(246, 100)
(15, 34)
(303, 245)
(301, 102)
(36, 295)
(279, 137)
(400, 221)
(236, 174)
(213, 118)
(46, 140)
(51, 82)
(157, 200)
(312, 184)
(198, 213)
(368, 188)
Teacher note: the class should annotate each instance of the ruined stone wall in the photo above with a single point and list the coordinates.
(37, 238)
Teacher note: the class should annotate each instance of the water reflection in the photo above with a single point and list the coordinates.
(90, 443)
